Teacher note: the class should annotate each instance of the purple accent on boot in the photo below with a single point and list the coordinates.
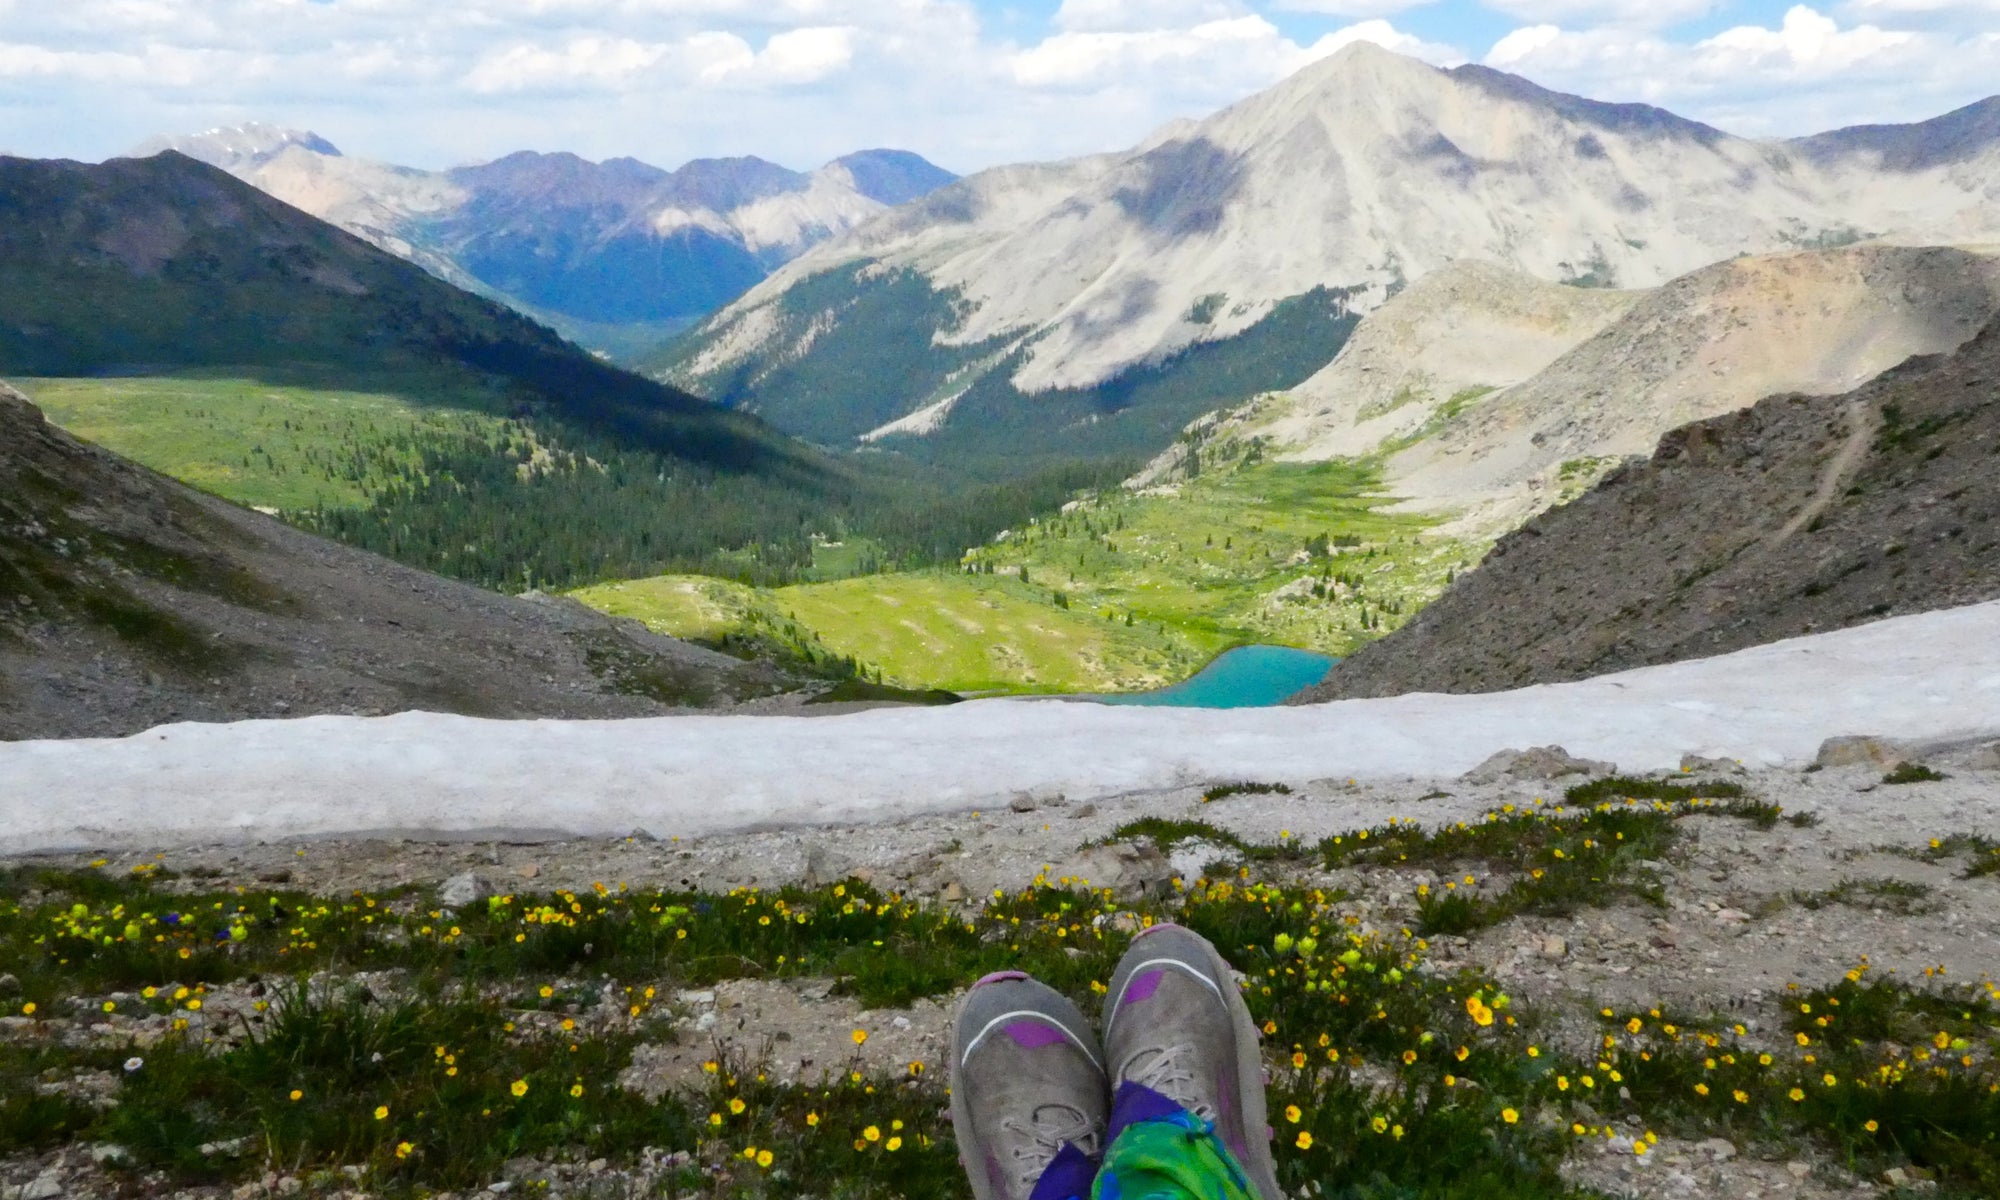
(1033, 1035)
(1136, 1104)
(1143, 985)
(1067, 1177)
(1001, 977)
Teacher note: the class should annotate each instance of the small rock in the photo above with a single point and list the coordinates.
(1858, 750)
(46, 1186)
(1537, 762)
(1081, 811)
(825, 866)
(1986, 758)
(1127, 868)
(1554, 947)
(1897, 1177)
(641, 835)
(500, 1187)
(1731, 916)
(9, 986)
(1120, 922)
(528, 870)
(229, 1149)
(106, 1154)
(1022, 803)
(281, 875)
(1798, 1170)
(1695, 764)
(1719, 1149)
(953, 893)
(463, 891)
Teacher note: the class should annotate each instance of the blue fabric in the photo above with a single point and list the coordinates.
(1068, 1176)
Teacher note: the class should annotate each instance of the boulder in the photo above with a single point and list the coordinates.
(1859, 750)
(1536, 762)
(1986, 758)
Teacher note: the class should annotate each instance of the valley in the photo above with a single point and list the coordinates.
(547, 674)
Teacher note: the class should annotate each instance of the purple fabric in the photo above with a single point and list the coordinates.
(1143, 985)
(1136, 1103)
(1068, 1177)
(1033, 1035)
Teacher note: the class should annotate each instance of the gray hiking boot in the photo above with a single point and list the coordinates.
(1175, 1022)
(1027, 1080)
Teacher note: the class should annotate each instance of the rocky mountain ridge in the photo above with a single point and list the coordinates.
(583, 244)
(1358, 176)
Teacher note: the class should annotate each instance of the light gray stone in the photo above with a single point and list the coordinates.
(1859, 750)
(1536, 762)
(46, 1186)
(463, 891)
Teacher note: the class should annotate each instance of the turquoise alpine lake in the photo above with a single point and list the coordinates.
(1246, 677)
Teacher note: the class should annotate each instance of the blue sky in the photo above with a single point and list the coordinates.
(970, 83)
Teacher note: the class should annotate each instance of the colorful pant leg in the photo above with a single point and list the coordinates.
(1160, 1151)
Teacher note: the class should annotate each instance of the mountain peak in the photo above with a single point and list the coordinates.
(893, 177)
(232, 147)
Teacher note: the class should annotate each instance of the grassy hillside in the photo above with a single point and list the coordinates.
(291, 447)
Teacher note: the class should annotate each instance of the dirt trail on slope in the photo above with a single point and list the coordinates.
(1863, 422)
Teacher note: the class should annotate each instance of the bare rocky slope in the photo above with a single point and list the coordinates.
(1489, 395)
(128, 601)
(1799, 514)
(1361, 173)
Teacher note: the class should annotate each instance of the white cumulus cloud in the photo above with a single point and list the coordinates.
(1638, 14)
(1082, 16)
(1351, 8)
(1807, 74)
(1244, 53)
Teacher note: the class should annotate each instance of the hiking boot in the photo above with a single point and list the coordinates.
(1027, 1088)
(1174, 1022)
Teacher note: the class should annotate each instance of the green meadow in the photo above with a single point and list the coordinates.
(1120, 591)
(294, 445)
(943, 629)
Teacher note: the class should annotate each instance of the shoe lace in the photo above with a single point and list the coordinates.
(1044, 1133)
(1162, 1069)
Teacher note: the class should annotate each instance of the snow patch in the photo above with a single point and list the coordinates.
(1924, 676)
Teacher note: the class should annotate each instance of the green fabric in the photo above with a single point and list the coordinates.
(1179, 1158)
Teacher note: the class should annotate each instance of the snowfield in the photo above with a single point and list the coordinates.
(1934, 676)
